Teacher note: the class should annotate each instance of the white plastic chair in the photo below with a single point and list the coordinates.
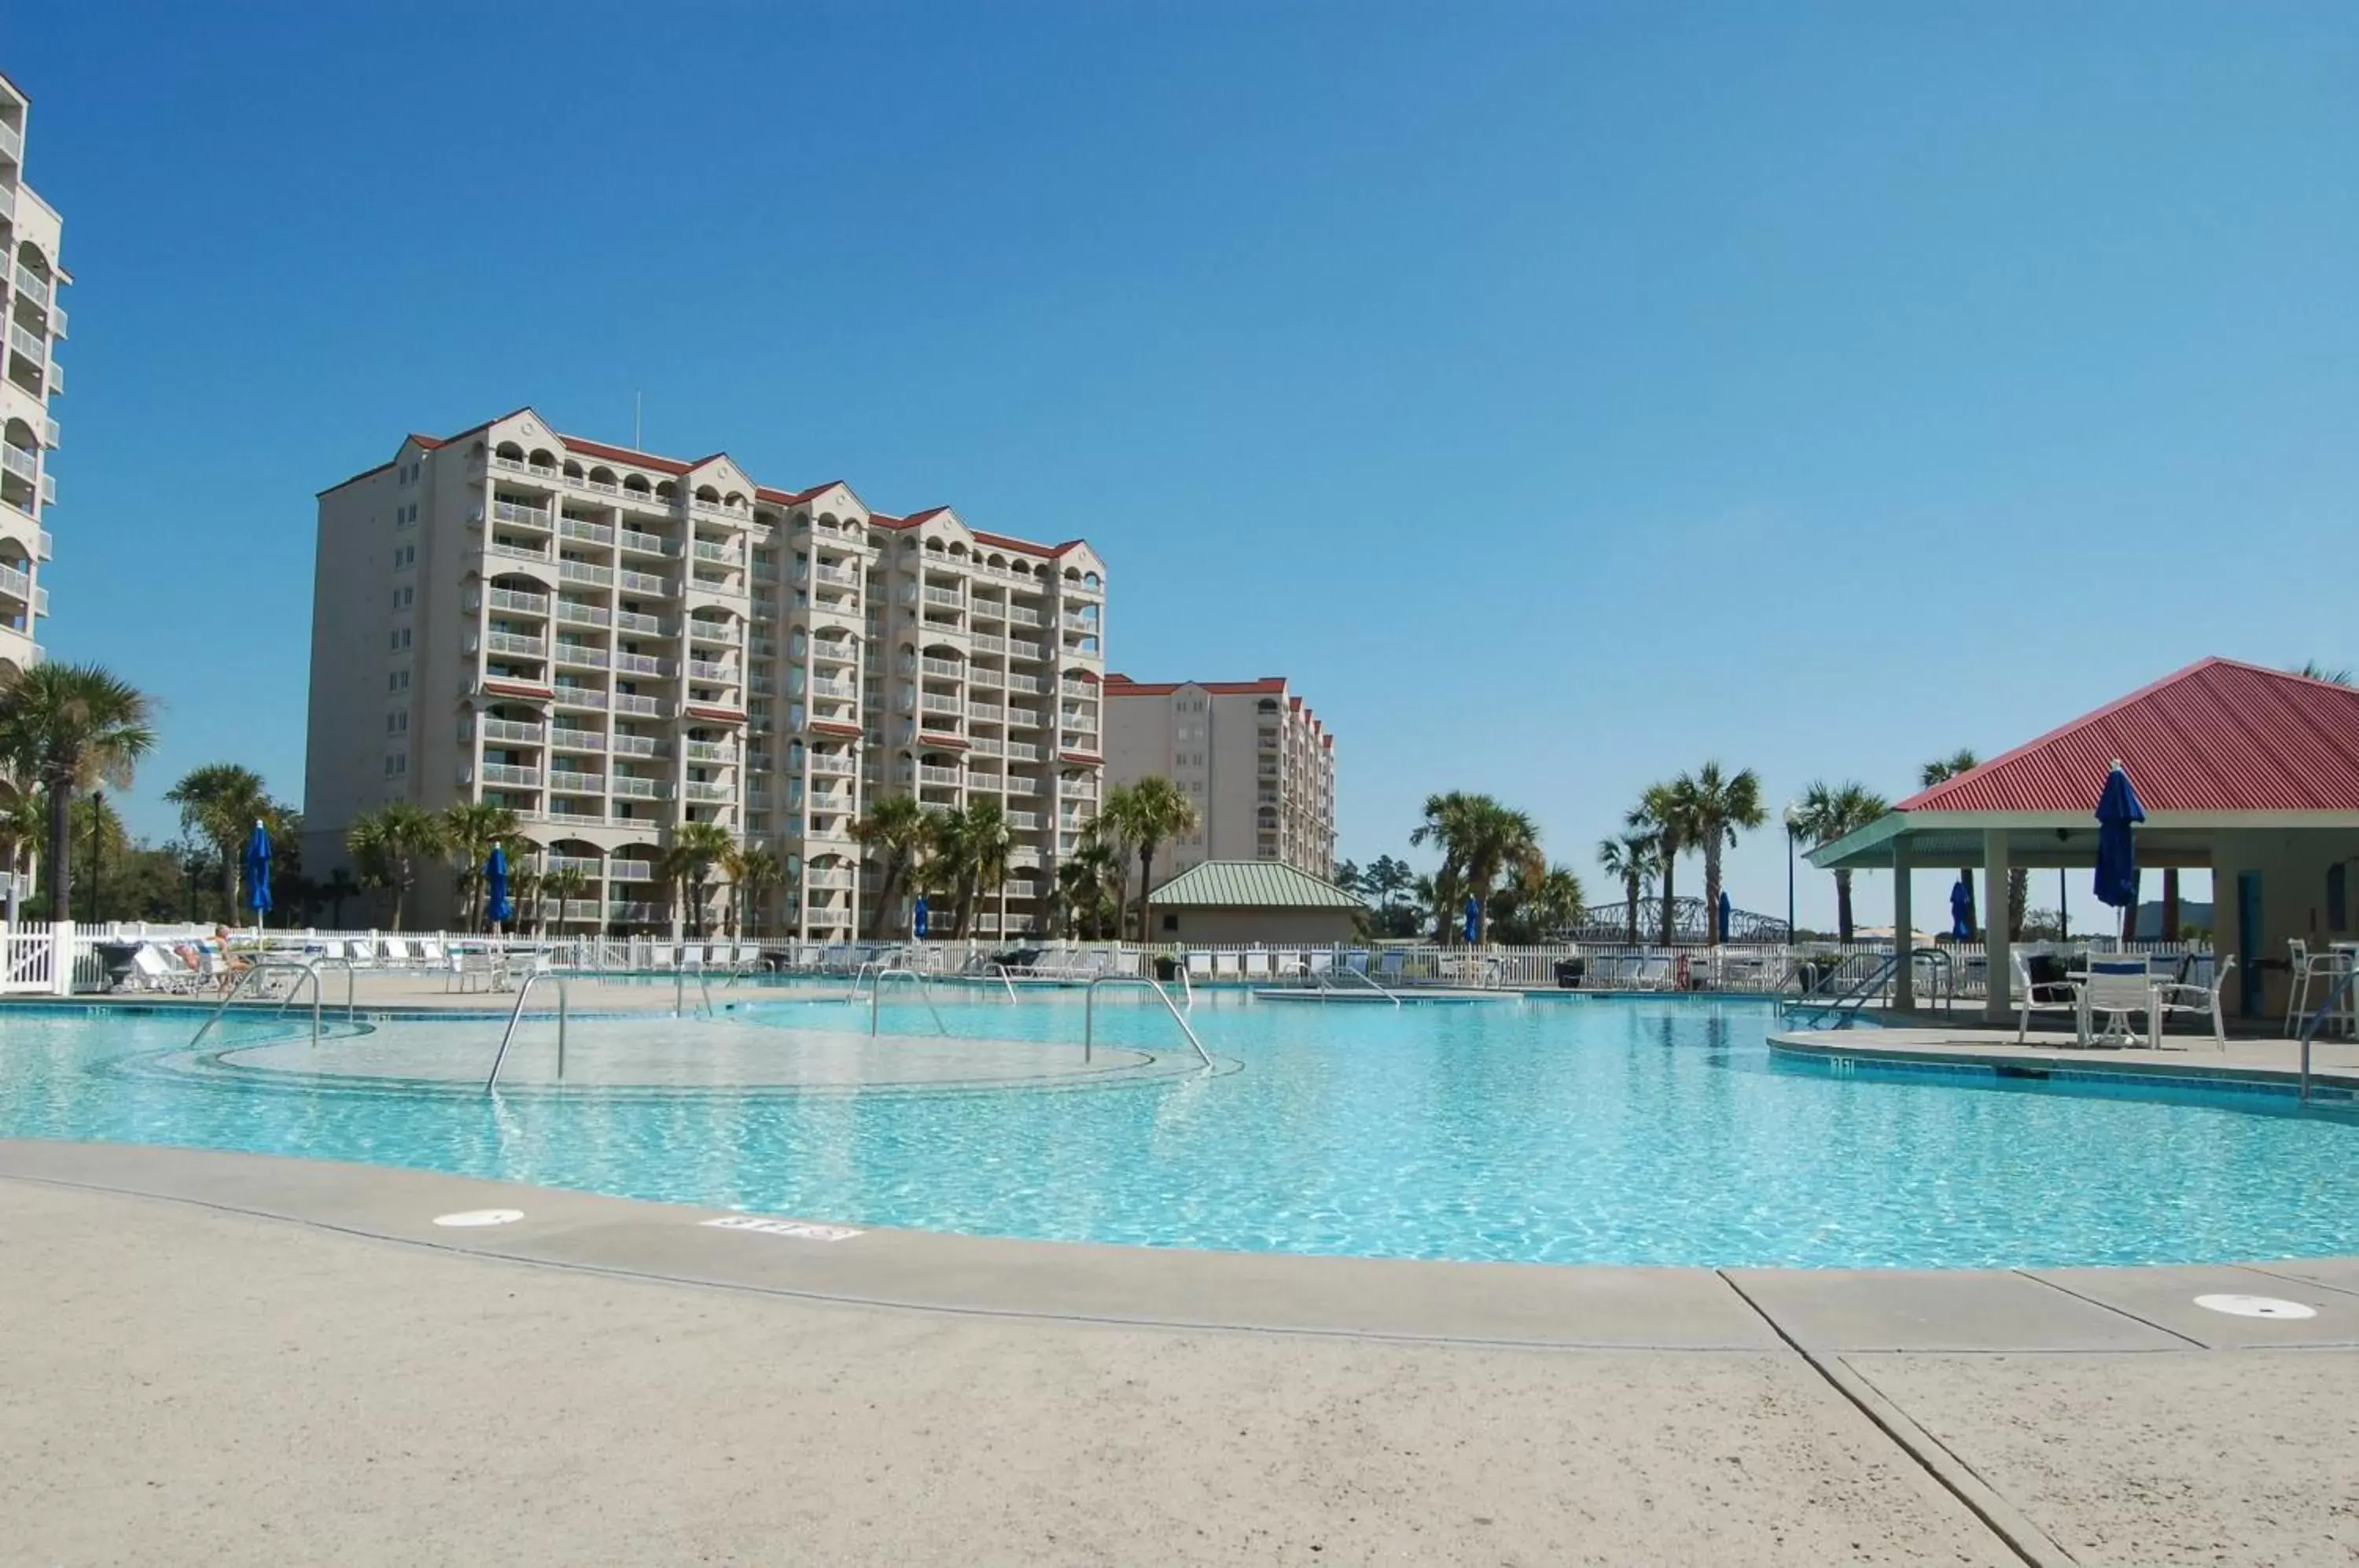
(2172, 997)
(2326, 967)
(2113, 988)
(2060, 997)
(1257, 966)
(1199, 967)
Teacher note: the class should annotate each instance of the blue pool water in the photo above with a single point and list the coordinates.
(1549, 1131)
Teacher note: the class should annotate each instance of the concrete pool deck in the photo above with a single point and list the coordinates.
(2253, 1060)
(238, 1358)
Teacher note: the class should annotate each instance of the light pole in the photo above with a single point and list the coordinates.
(97, 817)
(1793, 824)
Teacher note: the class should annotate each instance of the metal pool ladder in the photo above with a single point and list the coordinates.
(925, 990)
(1089, 1007)
(517, 1014)
(309, 969)
(2318, 1021)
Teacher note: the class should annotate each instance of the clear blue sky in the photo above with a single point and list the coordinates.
(1561, 395)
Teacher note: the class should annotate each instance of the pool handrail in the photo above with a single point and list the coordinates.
(310, 968)
(1089, 1004)
(925, 991)
(253, 972)
(680, 986)
(1361, 975)
(517, 1013)
(2318, 1021)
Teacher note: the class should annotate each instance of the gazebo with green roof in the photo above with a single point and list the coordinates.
(1253, 901)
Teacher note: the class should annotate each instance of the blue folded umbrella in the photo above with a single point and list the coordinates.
(917, 919)
(1727, 906)
(255, 865)
(1962, 909)
(1474, 918)
(496, 907)
(2117, 873)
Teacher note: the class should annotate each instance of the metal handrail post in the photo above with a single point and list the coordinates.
(2318, 1021)
(515, 1015)
(925, 993)
(1089, 1012)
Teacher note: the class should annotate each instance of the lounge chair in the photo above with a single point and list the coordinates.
(1257, 966)
(1319, 965)
(154, 970)
(1200, 968)
(1388, 968)
(1226, 966)
(2181, 994)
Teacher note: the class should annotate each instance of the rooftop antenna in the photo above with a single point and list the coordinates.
(636, 399)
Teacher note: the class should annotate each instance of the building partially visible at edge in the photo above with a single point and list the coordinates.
(612, 643)
(1251, 755)
(31, 233)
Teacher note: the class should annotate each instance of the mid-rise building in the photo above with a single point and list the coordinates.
(1252, 756)
(614, 643)
(30, 280)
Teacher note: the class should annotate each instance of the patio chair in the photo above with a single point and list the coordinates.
(1227, 966)
(152, 970)
(2327, 967)
(1320, 963)
(2183, 996)
(2041, 986)
(1653, 973)
(1257, 966)
(470, 965)
(1388, 968)
(2114, 988)
(1200, 968)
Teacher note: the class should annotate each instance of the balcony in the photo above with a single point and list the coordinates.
(24, 465)
(821, 762)
(1074, 623)
(841, 577)
(986, 746)
(700, 629)
(508, 776)
(1021, 786)
(569, 818)
(631, 702)
(628, 787)
(843, 691)
(1025, 615)
(580, 697)
(511, 731)
(32, 345)
(638, 745)
(589, 865)
(579, 571)
(829, 880)
(1025, 684)
(1024, 718)
(1020, 649)
(990, 713)
(727, 555)
(645, 582)
(947, 668)
(1023, 751)
(1022, 822)
(522, 603)
(580, 654)
(648, 499)
(650, 626)
(576, 781)
(935, 703)
(709, 751)
(574, 612)
(705, 789)
(645, 544)
(15, 584)
(950, 777)
(708, 670)
(631, 870)
(948, 596)
(582, 529)
(522, 515)
(572, 737)
(509, 645)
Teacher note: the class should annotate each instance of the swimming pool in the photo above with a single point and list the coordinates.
(1545, 1130)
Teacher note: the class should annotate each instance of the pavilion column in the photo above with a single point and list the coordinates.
(1904, 935)
(1998, 998)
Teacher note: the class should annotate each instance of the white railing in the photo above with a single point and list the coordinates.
(840, 576)
(524, 603)
(19, 462)
(950, 668)
(508, 774)
(993, 712)
(577, 527)
(709, 751)
(637, 746)
(952, 777)
(824, 687)
(580, 653)
(1020, 785)
(511, 730)
(704, 790)
(1020, 649)
(631, 870)
(574, 612)
(935, 703)
(32, 347)
(631, 702)
(1023, 751)
(944, 595)
(554, 814)
(726, 554)
(15, 584)
(510, 643)
(820, 762)
(645, 582)
(1022, 822)
(642, 664)
(521, 552)
(631, 621)
(576, 781)
(645, 544)
(641, 789)
(709, 670)
(1026, 718)
(1023, 615)
(529, 516)
(580, 571)
(579, 696)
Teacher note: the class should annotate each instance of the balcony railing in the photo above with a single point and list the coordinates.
(509, 642)
(523, 603)
(934, 702)
(845, 690)
(15, 584)
(510, 730)
(842, 577)
(949, 669)
(33, 286)
(991, 713)
(1022, 822)
(646, 544)
(631, 621)
(952, 777)
(637, 746)
(579, 571)
(630, 871)
(574, 612)
(646, 583)
(708, 670)
(1018, 647)
(727, 554)
(1022, 751)
(704, 790)
(509, 775)
(24, 465)
(951, 596)
(1025, 615)
(580, 653)
(709, 751)
(701, 628)
(576, 781)
(588, 864)
(641, 789)
(631, 702)
(556, 814)
(821, 762)
(986, 746)
(526, 516)
(1021, 786)
(580, 697)
(1025, 718)
(576, 737)
(642, 664)
(580, 528)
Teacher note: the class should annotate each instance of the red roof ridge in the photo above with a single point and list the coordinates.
(2219, 735)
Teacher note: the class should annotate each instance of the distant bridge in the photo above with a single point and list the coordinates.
(1690, 923)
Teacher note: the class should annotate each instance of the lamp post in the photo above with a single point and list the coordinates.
(97, 817)
(1793, 823)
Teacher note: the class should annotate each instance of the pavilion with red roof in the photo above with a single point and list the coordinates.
(2248, 772)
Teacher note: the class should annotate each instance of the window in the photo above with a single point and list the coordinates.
(398, 721)
(404, 596)
(400, 638)
(1171, 922)
(406, 556)
(405, 517)
(396, 764)
(397, 681)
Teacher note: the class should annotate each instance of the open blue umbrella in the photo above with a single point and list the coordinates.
(1474, 918)
(2117, 873)
(496, 908)
(256, 867)
(917, 919)
(1962, 909)
(1727, 905)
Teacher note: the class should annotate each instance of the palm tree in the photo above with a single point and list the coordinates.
(564, 886)
(1089, 884)
(24, 825)
(1108, 831)
(2334, 674)
(1146, 814)
(1548, 905)
(1448, 826)
(68, 727)
(471, 831)
(1629, 860)
(388, 848)
(756, 872)
(1829, 811)
(1661, 814)
(1500, 841)
(220, 803)
(1719, 806)
(1941, 770)
(695, 849)
(337, 891)
(985, 844)
(895, 830)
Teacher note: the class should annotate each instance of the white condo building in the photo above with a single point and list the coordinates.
(30, 280)
(612, 642)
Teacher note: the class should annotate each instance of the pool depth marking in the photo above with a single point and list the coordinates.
(469, 1218)
(799, 1230)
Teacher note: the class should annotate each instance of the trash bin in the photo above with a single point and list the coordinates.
(1166, 969)
(1571, 973)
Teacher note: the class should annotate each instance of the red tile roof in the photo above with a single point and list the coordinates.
(720, 715)
(829, 726)
(2219, 735)
(581, 448)
(1123, 686)
(947, 742)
